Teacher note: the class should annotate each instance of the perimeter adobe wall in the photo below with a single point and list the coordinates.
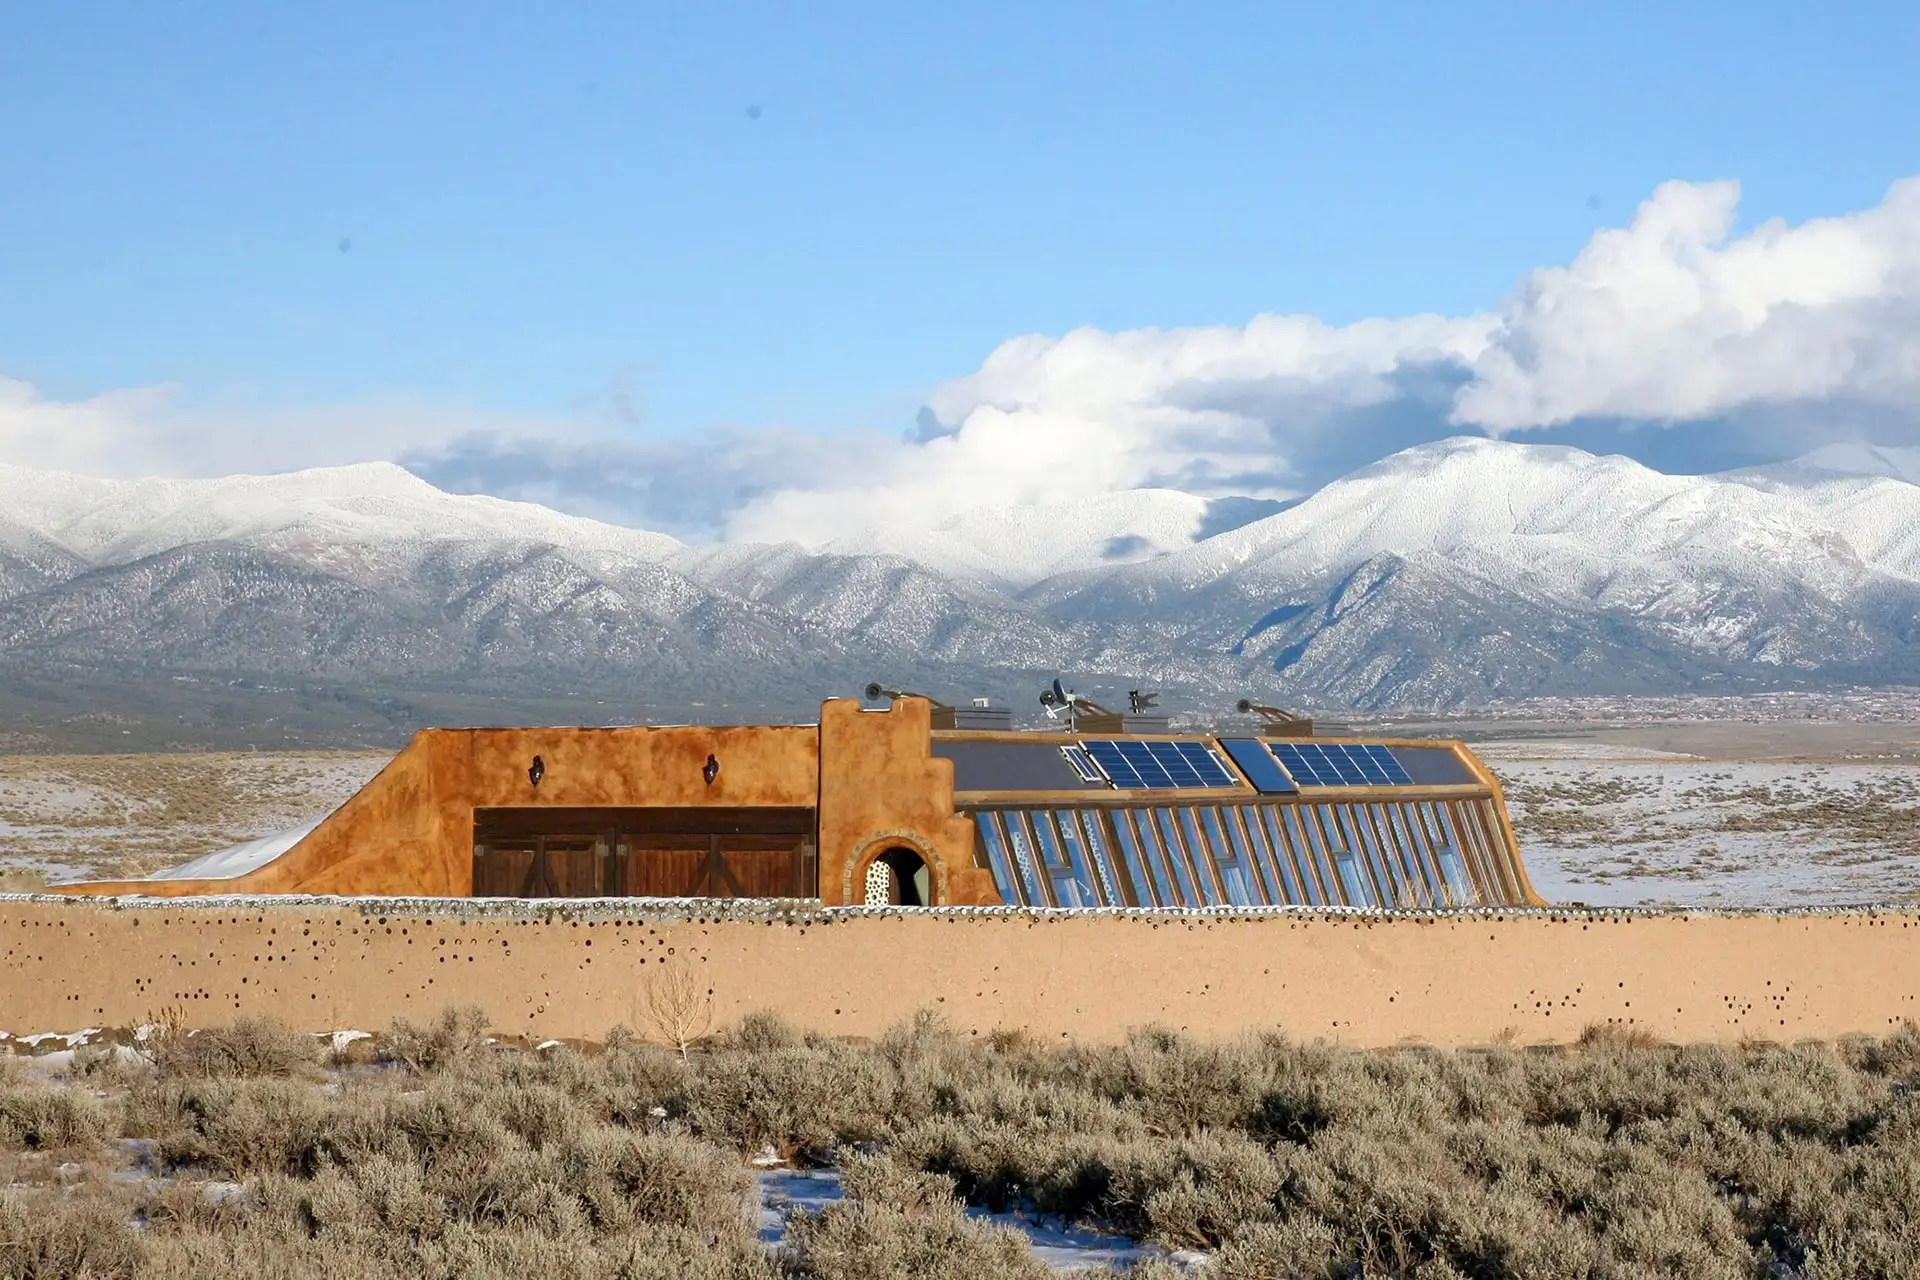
(1361, 980)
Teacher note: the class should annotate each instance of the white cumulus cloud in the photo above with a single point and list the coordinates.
(1209, 410)
(148, 431)
(1672, 318)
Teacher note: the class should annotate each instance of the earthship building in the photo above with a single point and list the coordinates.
(913, 804)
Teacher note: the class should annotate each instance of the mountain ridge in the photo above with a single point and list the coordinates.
(1443, 575)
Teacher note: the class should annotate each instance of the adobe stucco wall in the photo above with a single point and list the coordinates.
(1360, 980)
(410, 830)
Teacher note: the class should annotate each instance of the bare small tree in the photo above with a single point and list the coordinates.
(678, 1008)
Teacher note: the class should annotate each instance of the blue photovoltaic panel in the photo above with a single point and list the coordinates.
(1380, 763)
(1257, 763)
(1133, 765)
(1340, 764)
(1205, 763)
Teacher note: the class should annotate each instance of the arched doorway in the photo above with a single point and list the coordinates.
(899, 878)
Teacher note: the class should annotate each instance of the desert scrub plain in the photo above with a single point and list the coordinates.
(107, 817)
(438, 1152)
(1641, 832)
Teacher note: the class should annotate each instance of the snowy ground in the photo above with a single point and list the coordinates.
(1628, 826)
(65, 817)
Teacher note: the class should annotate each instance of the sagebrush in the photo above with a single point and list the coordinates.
(437, 1152)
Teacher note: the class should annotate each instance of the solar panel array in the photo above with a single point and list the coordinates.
(1340, 764)
(1134, 765)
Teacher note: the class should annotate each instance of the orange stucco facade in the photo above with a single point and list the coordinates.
(409, 832)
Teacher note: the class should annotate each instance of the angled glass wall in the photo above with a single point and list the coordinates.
(1401, 854)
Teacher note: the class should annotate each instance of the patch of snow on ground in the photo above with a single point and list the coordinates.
(1060, 1246)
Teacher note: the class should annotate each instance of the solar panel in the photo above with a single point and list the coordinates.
(1135, 765)
(1205, 763)
(1082, 764)
(1258, 764)
(1340, 764)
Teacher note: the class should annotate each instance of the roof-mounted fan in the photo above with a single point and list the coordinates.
(1058, 700)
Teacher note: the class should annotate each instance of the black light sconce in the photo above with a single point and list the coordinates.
(710, 770)
(536, 771)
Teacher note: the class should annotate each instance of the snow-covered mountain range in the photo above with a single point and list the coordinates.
(1446, 574)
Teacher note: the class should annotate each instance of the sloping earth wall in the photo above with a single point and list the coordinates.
(1363, 979)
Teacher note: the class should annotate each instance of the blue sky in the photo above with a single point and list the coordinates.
(650, 241)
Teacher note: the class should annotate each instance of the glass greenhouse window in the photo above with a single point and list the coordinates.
(1101, 859)
(1168, 829)
(1392, 818)
(1243, 831)
(1203, 858)
(1243, 825)
(996, 848)
(1072, 880)
(1021, 842)
(1352, 879)
(1137, 849)
(1157, 858)
(1407, 888)
(1313, 872)
(1229, 859)
(1458, 886)
(1341, 841)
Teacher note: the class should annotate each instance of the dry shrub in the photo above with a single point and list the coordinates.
(1613, 1159)
(632, 1081)
(457, 1035)
(760, 1031)
(55, 1238)
(898, 1223)
(246, 1047)
(801, 1100)
(1614, 1037)
(236, 1128)
(46, 1119)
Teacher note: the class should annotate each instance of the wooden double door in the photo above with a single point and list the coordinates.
(535, 852)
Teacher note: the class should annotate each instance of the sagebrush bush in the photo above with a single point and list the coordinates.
(58, 1238)
(1614, 1157)
(897, 1223)
(456, 1035)
(245, 1047)
(40, 1118)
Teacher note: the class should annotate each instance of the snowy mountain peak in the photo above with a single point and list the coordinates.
(374, 506)
(1563, 518)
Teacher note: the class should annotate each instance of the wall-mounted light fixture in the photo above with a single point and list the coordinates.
(710, 770)
(536, 771)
